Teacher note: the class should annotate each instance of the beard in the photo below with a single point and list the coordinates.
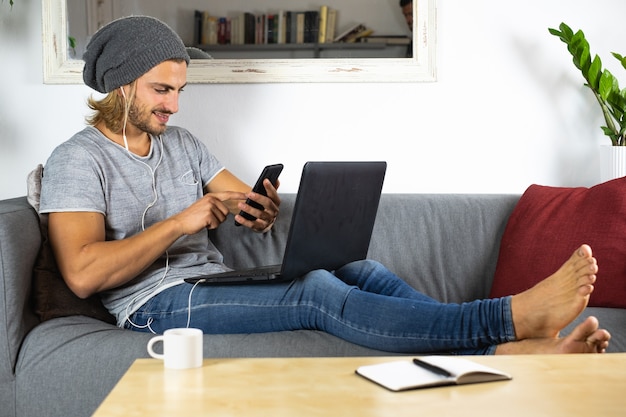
(140, 117)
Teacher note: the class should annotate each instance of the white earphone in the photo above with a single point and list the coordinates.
(150, 291)
(125, 119)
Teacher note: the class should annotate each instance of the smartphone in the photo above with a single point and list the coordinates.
(271, 172)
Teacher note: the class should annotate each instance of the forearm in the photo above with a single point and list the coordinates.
(102, 265)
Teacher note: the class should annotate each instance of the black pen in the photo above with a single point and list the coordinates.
(432, 368)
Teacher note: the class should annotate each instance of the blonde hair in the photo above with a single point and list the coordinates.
(111, 110)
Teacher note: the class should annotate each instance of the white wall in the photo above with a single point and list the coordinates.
(508, 110)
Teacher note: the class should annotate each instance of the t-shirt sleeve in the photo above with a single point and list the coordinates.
(210, 166)
(71, 182)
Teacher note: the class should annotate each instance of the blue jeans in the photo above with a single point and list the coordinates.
(362, 302)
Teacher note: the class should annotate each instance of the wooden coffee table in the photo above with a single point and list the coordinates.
(542, 385)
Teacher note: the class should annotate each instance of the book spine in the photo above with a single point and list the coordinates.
(212, 30)
(258, 32)
(300, 28)
(270, 32)
(282, 27)
(197, 27)
(293, 38)
(331, 24)
(311, 26)
(287, 24)
(322, 22)
(249, 30)
(240, 29)
(221, 31)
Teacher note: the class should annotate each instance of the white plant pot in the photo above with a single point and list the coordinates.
(612, 162)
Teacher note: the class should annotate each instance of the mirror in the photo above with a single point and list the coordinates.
(59, 68)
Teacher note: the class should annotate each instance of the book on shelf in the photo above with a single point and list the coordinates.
(197, 27)
(248, 27)
(322, 22)
(271, 27)
(300, 27)
(223, 30)
(331, 25)
(236, 30)
(210, 30)
(282, 27)
(290, 27)
(259, 33)
(428, 372)
(311, 26)
(276, 27)
(354, 33)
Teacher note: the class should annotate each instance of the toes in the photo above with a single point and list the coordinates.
(585, 330)
(584, 251)
(585, 290)
(599, 341)
(586, 269)
(600, 337)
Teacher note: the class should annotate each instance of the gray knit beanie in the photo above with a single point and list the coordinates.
(127, 48)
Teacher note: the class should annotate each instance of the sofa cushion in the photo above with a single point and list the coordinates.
(549, 223)
(51, 296)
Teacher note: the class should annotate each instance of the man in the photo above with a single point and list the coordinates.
(407, 11)
(131, 199)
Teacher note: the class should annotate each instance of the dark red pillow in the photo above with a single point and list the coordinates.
(549, 223)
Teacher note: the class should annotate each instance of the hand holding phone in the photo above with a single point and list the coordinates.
(270, 172)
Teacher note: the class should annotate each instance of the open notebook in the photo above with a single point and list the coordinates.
(429, 371)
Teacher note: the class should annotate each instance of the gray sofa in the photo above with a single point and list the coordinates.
(444, 245)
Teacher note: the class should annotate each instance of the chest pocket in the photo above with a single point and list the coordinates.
(179, 192)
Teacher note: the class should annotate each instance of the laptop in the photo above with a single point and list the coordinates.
(331, 224)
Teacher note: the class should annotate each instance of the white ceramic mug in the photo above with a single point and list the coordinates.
(182, 348)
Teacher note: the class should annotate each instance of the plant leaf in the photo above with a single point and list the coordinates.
(621, 59)
(566, 30)
(554, 32)
(607, 84)
(579, 48)
(617, 102)
(594, 73)
(608, 132)
(585, 59)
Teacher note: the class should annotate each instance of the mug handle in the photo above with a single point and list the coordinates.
(151, 351)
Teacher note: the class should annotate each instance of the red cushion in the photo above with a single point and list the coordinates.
(549, 223)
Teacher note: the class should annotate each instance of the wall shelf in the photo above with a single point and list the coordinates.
(314, 50)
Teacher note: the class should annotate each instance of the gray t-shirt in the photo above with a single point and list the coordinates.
(90, 173)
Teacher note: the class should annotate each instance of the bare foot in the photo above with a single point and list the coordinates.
(543, 310)
(585, 338)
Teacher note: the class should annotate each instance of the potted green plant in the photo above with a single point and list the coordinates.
(602, 83)
(605, 88)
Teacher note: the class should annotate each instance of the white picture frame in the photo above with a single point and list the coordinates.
(58, 68)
